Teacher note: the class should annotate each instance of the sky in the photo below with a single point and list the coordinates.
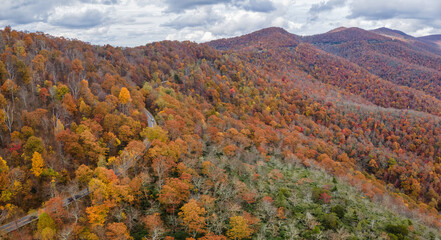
(138, 22)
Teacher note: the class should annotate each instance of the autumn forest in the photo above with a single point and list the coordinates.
(269, 135)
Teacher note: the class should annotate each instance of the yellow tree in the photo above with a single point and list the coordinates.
(37, 164)
(192, 216)
(124, 96)
(4, 170)
(239, 228)
(124, 99)
(97, 214)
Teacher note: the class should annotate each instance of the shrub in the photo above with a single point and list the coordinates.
(330, 221)
(400, 231)
(339, 210)
(320, 195)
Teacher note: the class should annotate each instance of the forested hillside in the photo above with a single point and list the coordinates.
(393, 56)
(263, 136)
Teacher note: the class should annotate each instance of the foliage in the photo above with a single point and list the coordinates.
(37, 164)
(239, 228)
(192, 217)
(262, 136)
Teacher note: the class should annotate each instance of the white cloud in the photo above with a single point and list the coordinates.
(137, 22)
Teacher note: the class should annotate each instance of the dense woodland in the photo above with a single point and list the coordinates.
(263, 136)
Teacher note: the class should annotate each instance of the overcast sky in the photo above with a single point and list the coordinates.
(137, 22)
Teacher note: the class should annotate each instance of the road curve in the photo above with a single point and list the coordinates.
(14, 225)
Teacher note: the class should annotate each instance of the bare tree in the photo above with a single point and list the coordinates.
(74, 87)
(8, 111)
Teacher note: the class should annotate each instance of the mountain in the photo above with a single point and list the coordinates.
(394, 34)
(434, 39)
(343, 73)
(265, 38)
(263, 136)
(403, 62)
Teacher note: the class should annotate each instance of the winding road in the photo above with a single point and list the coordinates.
(14, 225)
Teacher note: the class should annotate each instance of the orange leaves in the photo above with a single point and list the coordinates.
(215, 173)
(186, 172)
(212, 236)
(97, 214)
(69, 103)
(215, 135)
(106, 193)
(153, 223)
(83, 174)
(275, 174)
(192, 217)
(175, 127)
(246, 194)
(373, 164)
(281, 213)
(54, 207)
(230, 150)
(38, 63)
(77, 66)
(117, 231)
(174, 192)
(208, 201)
(249, 197)
(116, 189)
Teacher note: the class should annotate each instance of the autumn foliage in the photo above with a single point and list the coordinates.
(249, 134)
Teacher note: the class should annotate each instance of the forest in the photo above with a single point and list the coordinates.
(265, 136)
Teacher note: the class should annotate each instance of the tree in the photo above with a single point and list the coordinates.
(239, 228)
(3, 73)
(33, 144)
(83, 174)
(97, 214)
(22, 72)
(4, 170)
(3, 166)
(77, 66)
(48, 234)
(69, 103)
(38, 63)
(117, 231)
(153, 133)
(212, 236)
(124, 96)
(173, 193)
(125, 133)
(154, 225)
(46, 226)
(37, 164)
(54, 207)
(192, 216)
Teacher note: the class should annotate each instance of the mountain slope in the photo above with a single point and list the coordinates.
(433, 39)
(332, 70)
(269, 138)
(406, 63)
(394, 34)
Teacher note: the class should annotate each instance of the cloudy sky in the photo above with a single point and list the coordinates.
(137, 22)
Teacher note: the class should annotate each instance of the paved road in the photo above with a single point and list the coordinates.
(14, 225)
